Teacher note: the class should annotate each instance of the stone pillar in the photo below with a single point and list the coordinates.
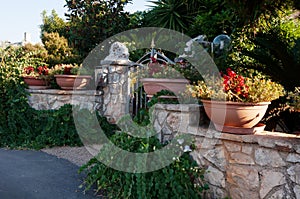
(115, 70)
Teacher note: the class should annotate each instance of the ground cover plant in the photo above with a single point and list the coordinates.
(181, 179)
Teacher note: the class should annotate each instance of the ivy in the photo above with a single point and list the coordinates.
(181, 179)
(21, 126)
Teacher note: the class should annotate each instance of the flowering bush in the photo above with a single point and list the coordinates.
(65, 69)
(237, 88)
(40, 72)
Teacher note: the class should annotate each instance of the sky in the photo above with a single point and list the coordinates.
(20, 16)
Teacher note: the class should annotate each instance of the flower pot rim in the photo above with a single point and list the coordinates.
(166, 80)
(235, 103)
(32, 77)
(74, 76)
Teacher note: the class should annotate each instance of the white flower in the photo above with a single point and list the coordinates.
(187, 148)
(180, 141)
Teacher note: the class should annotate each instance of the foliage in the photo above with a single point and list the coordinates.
(171, 14)
(213, 18)
(137, 20)
(181, 179)
(38, 51)
(66, 69)
(92, 21)
(22, 126)
(251, 11)
(234, 87)
(278, 52)
(58, 49)
(54, 24)
(294, 98)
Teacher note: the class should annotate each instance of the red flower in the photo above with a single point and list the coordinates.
(153, 60)
(235, 83)
(230, 72)
(28, 70)
(41, 70)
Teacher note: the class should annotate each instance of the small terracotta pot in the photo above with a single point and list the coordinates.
(235, 115)
(154, 85)
(35, 83)
(70, 82)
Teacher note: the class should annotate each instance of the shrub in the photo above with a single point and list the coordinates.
(23, 126)
(181, 179)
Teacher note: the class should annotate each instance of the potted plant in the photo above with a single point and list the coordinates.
(70, 76)
(156, 77)
(36, 77)
(235, 103)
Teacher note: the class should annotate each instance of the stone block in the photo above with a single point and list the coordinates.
(279, 194)
(240, 193)
(241, 158)
(232, 147)
(270, 180)
(264, 157)
(161, 117)
(265, 142)
(215, 177)
(292, 157)
(166, 131)
(247, 149)
(174, 121)
(216, 192)
(243, 177)
(297, 191)
(216, 156)
(294, 173)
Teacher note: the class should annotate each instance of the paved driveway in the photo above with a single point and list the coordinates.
(29, 174)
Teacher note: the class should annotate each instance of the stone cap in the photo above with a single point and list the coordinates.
(116, 62)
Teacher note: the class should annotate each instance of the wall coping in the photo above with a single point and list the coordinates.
(62, 92)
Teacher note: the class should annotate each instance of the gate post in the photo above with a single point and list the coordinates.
(113, 76)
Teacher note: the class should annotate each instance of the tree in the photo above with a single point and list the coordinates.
(213, 17)
(92, 21)
(250, 11)
(277, 53)
(171, 14)
(53, 23)
(58, 49)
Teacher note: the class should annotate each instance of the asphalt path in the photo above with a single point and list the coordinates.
(26, 174)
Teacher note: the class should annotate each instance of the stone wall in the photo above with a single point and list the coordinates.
(54, 99)
(264, 165)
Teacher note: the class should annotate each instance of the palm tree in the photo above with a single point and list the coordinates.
(171, 14)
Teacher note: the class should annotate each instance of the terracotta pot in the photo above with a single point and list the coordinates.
(35, 83)
(154, 85)
(235, 117)
(70, 82)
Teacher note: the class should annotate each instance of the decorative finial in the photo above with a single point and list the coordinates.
(152, 43)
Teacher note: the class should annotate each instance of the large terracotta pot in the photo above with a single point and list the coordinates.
(35, 83)
(154, 85)
(236, 117)
(70, 82)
